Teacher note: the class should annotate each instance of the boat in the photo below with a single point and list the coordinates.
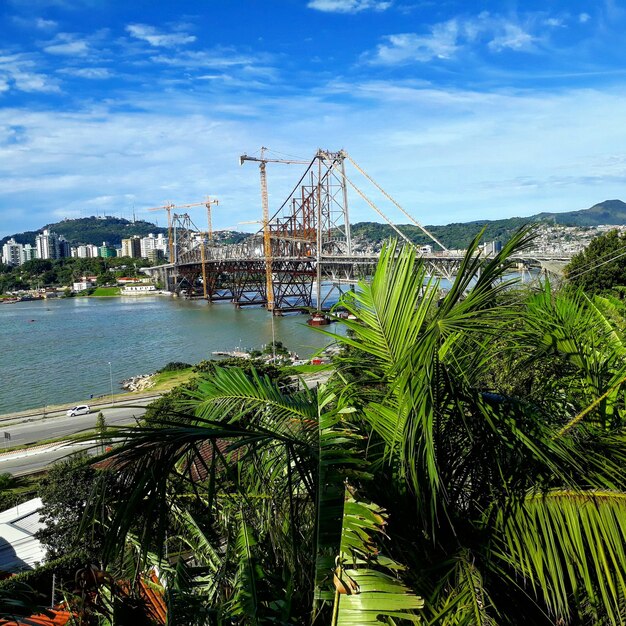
(318, 319)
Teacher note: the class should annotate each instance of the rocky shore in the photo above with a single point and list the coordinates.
(138, 383)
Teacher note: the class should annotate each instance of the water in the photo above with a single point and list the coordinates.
(58, 351)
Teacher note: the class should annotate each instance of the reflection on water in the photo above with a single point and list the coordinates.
(59, 351)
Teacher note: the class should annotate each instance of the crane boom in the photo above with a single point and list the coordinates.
(168, 208)
(267, 240)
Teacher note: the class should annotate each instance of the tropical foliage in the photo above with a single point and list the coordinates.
(465, 465)
(601, 266)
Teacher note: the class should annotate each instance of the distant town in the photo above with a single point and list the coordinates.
(50, 245)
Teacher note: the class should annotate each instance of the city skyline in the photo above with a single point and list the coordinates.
(460, 114)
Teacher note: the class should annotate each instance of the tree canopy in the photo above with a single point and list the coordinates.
(478, 477)
(601, 267)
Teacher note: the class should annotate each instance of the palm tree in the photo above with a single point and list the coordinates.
(500, 508)
(408, 472)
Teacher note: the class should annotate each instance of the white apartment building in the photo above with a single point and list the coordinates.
(12, 252)
(85, 251)
(29, 252)
(48, 245)
(160, 242)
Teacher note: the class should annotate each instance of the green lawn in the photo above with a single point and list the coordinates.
(165, 381)
(102, 292)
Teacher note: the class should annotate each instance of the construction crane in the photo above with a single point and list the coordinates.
(168, 208)
(208, 204)
(267, 243)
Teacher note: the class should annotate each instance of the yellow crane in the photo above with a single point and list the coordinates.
(267, 243)
(208, 204)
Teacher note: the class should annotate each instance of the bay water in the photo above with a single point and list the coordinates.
(58, 351)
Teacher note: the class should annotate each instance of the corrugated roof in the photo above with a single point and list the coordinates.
(56, 618)
(19, 550)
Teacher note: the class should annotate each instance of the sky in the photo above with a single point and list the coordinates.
(461, 111)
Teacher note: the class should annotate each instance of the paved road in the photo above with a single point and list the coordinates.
(54, 425)
(37, 428)
(37, 460)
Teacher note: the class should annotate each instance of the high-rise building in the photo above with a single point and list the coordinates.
(65, 250)
(151, 242)
(106, 251)
(29, 252)
(86, 251)
(132, 247)
(48, 245)
(155, 256)
(12, 252)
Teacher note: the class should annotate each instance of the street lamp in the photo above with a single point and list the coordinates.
(111, 379)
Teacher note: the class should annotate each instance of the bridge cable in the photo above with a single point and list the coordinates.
(424, 230)
(584, 266)
(593, 267)
(379, 211)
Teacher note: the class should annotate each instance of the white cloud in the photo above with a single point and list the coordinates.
(206, 59)
(583, 18)
(444, 154)
(66, 44)
(45, 24)
(156, 39)
(96, 73)
(441, 43)
(512, 37)
(16, 72)
(446, 39)
(348, 6)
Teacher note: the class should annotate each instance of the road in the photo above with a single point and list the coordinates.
(36, 427)
(55, 425)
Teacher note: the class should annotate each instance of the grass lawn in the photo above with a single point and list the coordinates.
(103, 292)
(164, 381)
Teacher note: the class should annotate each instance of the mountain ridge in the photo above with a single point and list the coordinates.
(95, 230)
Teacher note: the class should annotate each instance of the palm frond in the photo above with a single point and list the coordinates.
(460, 598)
(367, 586)
(567, 543)
(245, 601)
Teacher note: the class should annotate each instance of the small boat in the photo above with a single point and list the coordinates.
(318, 319)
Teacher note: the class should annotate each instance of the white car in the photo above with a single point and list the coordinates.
(81, 409)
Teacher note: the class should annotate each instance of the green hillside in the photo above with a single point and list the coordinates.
(458, 235)
(93, 230)
(608, 212)
(453, 236)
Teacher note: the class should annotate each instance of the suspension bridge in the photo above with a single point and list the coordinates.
(302, 253)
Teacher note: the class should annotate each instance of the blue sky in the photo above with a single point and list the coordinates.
(460, 110)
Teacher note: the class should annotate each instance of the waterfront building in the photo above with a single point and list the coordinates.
(12, 252)
(133, 290)
(64, 247)
(132, 247)
(83, 285)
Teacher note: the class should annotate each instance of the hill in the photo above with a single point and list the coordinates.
(611, 212)
(458, 235)
(93, 230)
